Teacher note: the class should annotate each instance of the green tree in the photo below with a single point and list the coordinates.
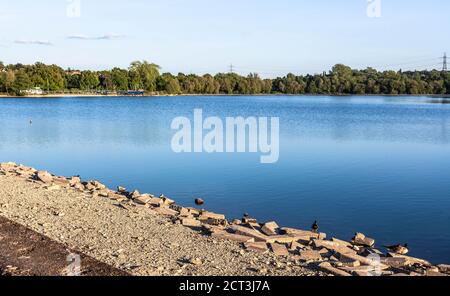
(22, 82)
(144, 75)
(89, 80)
(120, 79)
(47, 77)
(73, 81)
(9, 79)
(168, 84)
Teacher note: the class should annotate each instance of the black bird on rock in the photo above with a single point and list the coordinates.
(398, 249)
(315, 227)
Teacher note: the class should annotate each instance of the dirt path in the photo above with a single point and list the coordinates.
(27, 253)
(131, 238)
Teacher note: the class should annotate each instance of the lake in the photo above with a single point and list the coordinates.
(377, 165)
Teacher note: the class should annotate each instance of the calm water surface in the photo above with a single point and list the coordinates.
(375, 165)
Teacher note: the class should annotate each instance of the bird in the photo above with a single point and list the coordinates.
(315, 227)
(398, 249)
(31, 121)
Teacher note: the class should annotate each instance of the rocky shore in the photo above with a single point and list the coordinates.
(142, 234)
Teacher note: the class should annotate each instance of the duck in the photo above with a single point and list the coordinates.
(398, 249)
(315, 227)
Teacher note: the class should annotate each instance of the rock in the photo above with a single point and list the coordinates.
(350, 263)
(79, 186)
(222, 234)
(196, 261)
(142, 199)
(411, 260)
(285, 239)
(166, 212)
(45, 177)
(270, 228)
(61, 181)
(190, 222)
(337, 272)
(249, 220)
(74, 180)
(333, 246)
(308, 234)
(434, 273)
(90, 186)
(122, 256)
(7, 166)
(103, 193)
(245, 231)
(199, 201)
(445, 268)
(257, 247)
(215, 222)
(361, 240)
(295, 246)
(260, 237)
(98, 185)
(135, 194)
(209, 215)
(122, 190)
(279, 250)
(185, 213)
(341, 242)
(363, 260)
(167, 201)
(310, 255)
(156, 202)
(194, 212)
(236, 222)
(394, 262)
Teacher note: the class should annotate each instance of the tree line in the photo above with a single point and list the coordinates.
(145, 76)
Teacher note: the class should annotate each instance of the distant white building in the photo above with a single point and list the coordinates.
(34, 91)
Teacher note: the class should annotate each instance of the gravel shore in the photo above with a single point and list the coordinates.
(141, 234)
(130, 237)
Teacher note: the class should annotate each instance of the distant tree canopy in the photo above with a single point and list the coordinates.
(145, 76)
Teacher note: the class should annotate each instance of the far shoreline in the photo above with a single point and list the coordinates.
(65, 95)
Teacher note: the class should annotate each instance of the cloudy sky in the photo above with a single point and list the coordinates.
(269, 37)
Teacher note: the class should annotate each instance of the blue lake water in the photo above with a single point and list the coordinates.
(377, 165)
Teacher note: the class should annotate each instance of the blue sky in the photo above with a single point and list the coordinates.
(197, 36)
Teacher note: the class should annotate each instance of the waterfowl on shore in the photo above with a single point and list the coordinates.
(315, 227)
(398, 249)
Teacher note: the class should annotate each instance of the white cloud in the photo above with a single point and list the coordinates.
(33, 42)
(109, 36)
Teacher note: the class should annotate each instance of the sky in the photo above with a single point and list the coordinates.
(271, 38)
